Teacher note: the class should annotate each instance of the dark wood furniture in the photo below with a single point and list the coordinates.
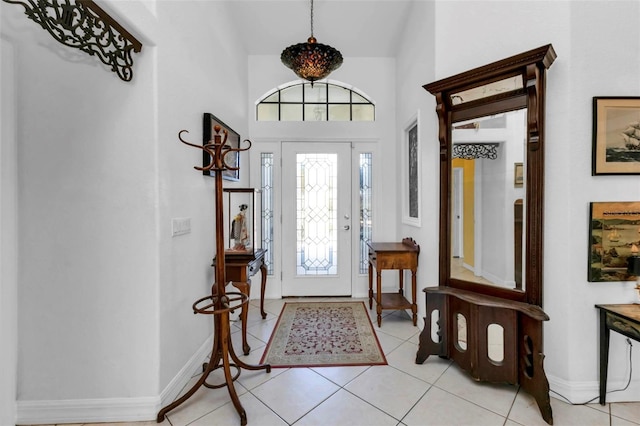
(220, 302)
(471, 97)
(239, 270)
(624, 319)
(398, 256)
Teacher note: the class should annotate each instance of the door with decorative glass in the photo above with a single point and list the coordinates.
(316, 219)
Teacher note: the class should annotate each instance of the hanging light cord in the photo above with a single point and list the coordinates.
(311, 18)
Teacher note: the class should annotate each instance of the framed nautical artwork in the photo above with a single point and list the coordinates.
(616, 136)
(614, 239)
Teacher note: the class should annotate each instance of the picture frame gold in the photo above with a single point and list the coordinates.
(616, 136)
(518, 175)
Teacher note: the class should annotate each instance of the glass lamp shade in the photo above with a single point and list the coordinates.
(311, 60)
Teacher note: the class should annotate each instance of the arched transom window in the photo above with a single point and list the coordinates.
(300, 101)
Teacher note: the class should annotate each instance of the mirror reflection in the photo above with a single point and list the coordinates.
(510, 84)
(488, 193)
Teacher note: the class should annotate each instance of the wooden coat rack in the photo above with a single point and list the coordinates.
(219, 303)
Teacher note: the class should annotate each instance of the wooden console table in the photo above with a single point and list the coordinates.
(398, 256)
(625, 319)
(239, 269)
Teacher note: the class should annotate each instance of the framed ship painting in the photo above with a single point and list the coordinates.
(614, 234)
(232, 159)
(616, 136)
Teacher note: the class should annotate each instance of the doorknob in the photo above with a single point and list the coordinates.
(346, 227)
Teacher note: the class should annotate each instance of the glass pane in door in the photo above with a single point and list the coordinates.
(316, 215)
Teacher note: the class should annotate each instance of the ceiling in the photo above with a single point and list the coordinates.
(357, 28)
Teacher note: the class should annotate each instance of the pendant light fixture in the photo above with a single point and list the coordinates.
(311, 60)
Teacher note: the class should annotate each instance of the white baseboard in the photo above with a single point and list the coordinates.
(87, 410)
(110, 409)
(193, 366)
(581, 392)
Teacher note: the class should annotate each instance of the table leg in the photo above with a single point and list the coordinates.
(414, 306)
(401, 281)
(604, 355)
(263, 286)
(379, 296)
(370, 285)
(244, 287)
(243, 316)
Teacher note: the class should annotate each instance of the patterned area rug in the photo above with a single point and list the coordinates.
(323, 334)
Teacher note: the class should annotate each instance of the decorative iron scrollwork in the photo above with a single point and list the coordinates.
(472, 151)
(82, 24)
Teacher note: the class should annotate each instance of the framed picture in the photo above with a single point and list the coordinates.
(232, 159)
(616, 135)
(411, 203)
(518, 175)
(613, 239)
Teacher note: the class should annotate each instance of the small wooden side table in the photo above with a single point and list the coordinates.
(398, 256)
(625, 319)
(239, 268)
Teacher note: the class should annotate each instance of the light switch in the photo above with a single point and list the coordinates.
(180, 226)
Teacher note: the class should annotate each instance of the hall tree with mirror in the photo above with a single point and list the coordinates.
(486, 313)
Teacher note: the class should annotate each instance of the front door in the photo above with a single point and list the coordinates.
(316, 219)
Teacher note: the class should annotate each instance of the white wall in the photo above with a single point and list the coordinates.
(415, 66)
(8, 237)
(208, 76)
(591, 48)
(87, 299)
(593, 61)
(105, 322)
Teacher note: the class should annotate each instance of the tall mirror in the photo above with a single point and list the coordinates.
(488, 192)
(491, 122)
(486, 313)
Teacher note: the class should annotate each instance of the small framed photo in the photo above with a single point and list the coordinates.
(613, 240)
(616, 136)
(411, 171)
(233, 139)
(518, 175)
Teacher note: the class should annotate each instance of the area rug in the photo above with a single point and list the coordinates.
(323, 334)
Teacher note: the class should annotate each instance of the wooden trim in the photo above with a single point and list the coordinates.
(544, 55)
(533, 311)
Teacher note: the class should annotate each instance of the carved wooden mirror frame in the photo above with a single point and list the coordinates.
(518, 312)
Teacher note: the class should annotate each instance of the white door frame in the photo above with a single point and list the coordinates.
(274, 148)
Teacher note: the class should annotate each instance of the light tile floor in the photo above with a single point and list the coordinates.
(401, 393)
